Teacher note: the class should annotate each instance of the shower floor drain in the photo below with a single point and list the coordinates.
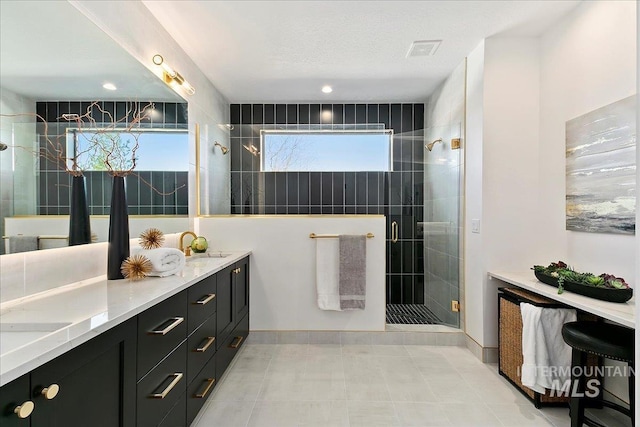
(411, 314)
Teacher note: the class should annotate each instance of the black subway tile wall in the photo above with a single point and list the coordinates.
(398, 194)
(143, 188)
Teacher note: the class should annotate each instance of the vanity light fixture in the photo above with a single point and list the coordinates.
(109, 86)
(327, 89)
(171, 76)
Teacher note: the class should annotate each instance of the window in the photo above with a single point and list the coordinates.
(158, 150)
(325, 151)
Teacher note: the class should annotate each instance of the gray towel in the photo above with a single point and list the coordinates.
(353, 272)
(22, 244)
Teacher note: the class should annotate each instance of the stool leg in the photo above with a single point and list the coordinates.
(632, 392)
(576, 404)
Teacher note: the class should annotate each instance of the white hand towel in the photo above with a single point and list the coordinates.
(546, 357)
(327, 274)
(164, 261)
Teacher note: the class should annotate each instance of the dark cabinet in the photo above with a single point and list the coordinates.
(160, 329)
(162, 388)
(17, 405)
(240, 286)
(156, 369)
(95, 383)
(225, 309)
(202, 301)
(175, 417)
(200, 388)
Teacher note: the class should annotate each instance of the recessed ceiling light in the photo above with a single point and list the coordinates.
(327, 89)
(109, 86)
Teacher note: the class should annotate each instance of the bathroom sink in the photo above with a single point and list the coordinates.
(217, 255)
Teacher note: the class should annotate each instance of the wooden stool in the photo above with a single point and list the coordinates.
(602, 339)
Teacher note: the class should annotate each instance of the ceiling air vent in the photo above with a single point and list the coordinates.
(423, 48)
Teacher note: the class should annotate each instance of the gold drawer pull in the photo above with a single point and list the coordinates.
(24, 410)
(204, 348)
(174, 322)
(51, 391)
(205, 299)
(203, 393)
(236, 344)
(176, 379)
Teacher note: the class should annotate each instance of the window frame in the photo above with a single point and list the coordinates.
(266, 132)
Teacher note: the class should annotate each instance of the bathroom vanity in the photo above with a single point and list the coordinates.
(145, 353)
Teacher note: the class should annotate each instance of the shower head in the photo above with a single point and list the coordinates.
(430, 145)
(3, 146)
(224, 149)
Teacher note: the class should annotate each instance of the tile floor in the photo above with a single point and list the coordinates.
(325, 385)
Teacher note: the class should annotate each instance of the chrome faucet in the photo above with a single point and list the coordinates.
(186, 249)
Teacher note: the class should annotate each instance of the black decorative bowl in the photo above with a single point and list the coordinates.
(601, 293)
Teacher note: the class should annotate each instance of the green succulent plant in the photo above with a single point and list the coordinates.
(594, 280)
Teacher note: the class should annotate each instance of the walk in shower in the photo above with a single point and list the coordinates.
(425, 230)
(416, 238)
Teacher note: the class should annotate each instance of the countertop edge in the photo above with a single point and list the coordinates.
(622, 313)
(24, 360)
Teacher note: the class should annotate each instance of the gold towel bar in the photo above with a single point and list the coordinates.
(333, 236)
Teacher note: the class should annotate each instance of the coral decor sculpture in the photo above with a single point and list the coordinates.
(151, 238)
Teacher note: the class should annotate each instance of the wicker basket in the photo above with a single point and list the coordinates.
(510, 341)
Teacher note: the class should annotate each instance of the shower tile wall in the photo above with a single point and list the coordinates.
(444, 192)
(398, 195)
(54, 184)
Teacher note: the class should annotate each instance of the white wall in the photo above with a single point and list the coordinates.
(133, 26)
(510, 220)
(502, 173)
(523, 94)
(474, 269)
(588, 60)
(283, 291)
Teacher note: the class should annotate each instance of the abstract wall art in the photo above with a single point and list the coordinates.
(601, 169)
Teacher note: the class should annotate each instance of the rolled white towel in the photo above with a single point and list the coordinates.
(164, 261)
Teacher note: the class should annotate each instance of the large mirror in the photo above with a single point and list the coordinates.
(55, 63)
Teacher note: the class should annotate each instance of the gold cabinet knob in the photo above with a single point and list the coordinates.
(51, 391)
(24, 410)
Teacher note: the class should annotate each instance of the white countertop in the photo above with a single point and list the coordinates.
(37, 329)
(622, 313)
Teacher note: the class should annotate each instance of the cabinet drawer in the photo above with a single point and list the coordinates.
(161, 388)
(202, 302)
(160, 329)
(175, 417)
(199, 390)
(201, 346)
(231, 345)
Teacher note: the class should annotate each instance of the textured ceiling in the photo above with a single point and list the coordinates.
(285, 51)
(50, 51)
